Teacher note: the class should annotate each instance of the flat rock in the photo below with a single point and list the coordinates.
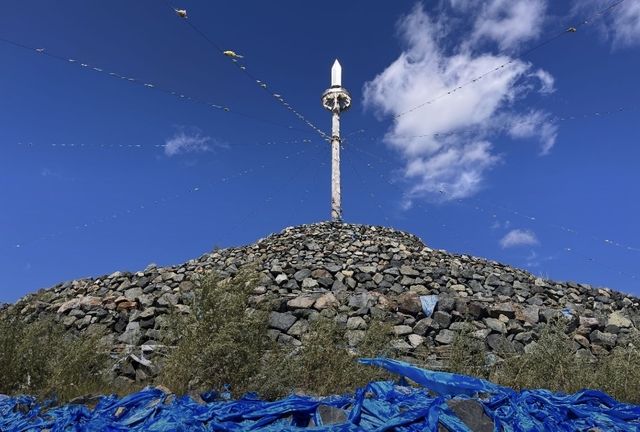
(301, 302)
(281, 321)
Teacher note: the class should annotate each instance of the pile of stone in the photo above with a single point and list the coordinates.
(355, 275)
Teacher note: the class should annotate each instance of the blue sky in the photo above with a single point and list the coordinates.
(524, 166)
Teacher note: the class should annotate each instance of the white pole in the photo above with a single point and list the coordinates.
(336, 99)
(336, 205)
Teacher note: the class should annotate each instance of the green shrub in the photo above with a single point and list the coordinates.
(467, 354)
(325, 365)
(551, 363)
(40, 358)
(619, 373)
(220, 342)
(223, 342)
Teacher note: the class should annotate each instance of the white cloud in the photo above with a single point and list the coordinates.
(547, 82)
(436, 59)
(509, 22)
(455, 171)
(518, 237)
(621, 24)
(190, 141)
(534, 124)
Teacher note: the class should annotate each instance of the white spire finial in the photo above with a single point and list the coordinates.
(336, 74)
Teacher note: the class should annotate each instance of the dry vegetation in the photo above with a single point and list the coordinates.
(221, 343)
(552, 364)
(42, 359)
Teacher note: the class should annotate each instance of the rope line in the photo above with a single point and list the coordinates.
(235, 59)
(142, 83)
(556, 118)
(479, 208)
(90, 146)
(156, 202)
(372, 195)
(262, 204)
(522, 214)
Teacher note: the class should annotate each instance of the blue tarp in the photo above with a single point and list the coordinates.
(380, 406)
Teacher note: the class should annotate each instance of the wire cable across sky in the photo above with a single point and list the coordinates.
(236, 60)
(143, 83)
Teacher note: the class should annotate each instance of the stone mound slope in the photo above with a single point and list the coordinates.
(351, 273)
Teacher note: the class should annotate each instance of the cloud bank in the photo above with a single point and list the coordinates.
(448, 146)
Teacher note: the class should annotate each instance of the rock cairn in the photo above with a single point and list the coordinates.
(354, 274)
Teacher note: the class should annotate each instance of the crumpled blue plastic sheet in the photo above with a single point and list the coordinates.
(567, 312)
(379, 406)
(428, 303)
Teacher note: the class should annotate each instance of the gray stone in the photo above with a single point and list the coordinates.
(499, 344)
(495, 325)
(408, 271)
(356, 323)
(505, 309)
(445, 337)
(401, 330)
(285, 339)
(492, 280)
(281, 321)
(168, 299)
(524, 337)
(338, 286)
(400, 345)
(133, 293)
(132, 334)
(477, 310)
(309, 283)
(619, 320)
(375, 274)
(530, 314)
(301, 302)
(300, 275)
(281, 278)
(147, 313)
(359, 301)
(327, 300)
(442, 318)
(422, 326)
(298, 328)
(409, 303)
(333, 268)
(600, 338)
(446, 304)
(471, 413)
(415, 340)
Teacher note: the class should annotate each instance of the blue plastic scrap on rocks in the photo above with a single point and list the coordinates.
(428, 304)
(379, 406)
